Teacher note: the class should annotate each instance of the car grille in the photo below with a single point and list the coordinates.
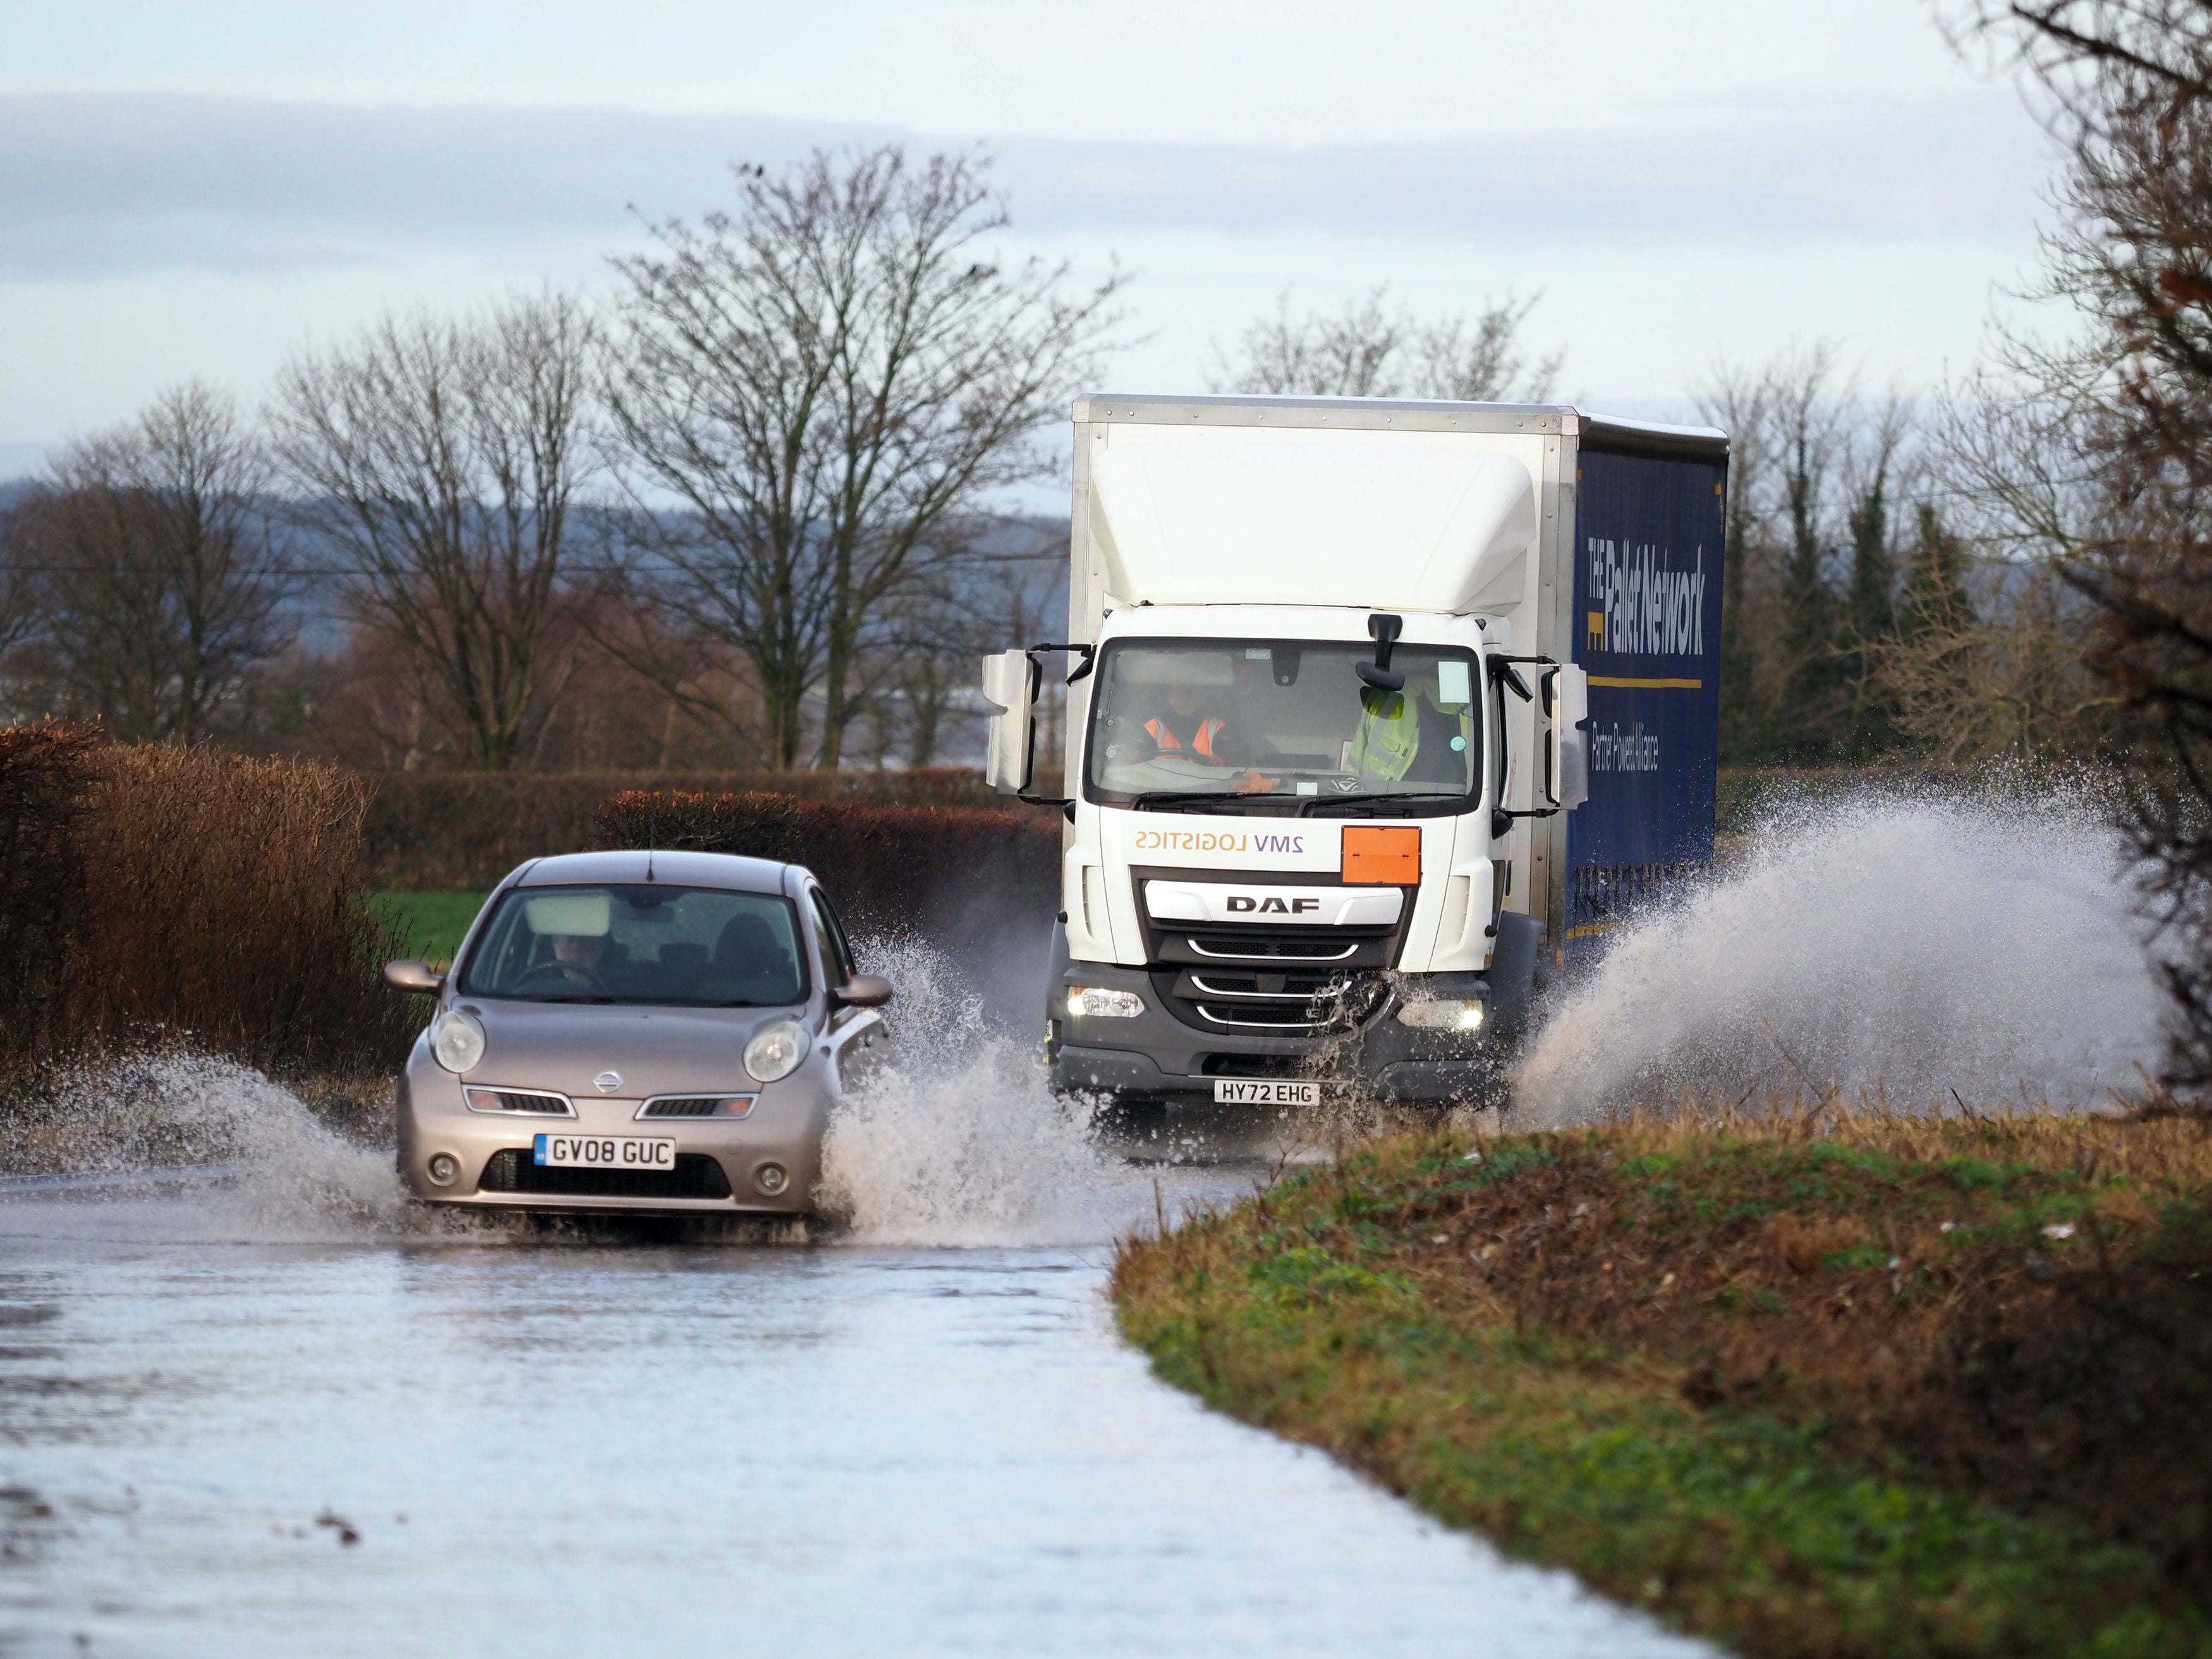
(516, 1100)
(684, 1106)
(516, 1170)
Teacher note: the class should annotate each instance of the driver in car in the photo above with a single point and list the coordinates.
(1188, 729)
(579, 956)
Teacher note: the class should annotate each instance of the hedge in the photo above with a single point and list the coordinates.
(963, 878)
(154, 896)
(467, 830)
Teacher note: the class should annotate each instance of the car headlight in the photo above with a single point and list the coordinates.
(1096, 1002)
(1442, 1014)
(776, 1050)
(457, 1040)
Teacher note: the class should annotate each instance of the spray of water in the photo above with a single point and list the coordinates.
(1899, 950)
(958, 1141)
(265, 1167)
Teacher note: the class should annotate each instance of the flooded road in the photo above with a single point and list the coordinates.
(550, 1444)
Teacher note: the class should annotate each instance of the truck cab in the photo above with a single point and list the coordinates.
(1326, 729)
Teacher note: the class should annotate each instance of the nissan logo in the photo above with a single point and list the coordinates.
(607, 1082)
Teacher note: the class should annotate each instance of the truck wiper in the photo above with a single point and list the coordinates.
(1157, 799)
(1307, 808)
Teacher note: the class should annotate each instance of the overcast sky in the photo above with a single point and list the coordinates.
(200, 189)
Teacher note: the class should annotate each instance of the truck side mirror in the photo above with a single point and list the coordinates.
(1009, 686)
(1566, 750)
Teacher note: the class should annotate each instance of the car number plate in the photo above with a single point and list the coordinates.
(605, 1152)
(1264, 1091)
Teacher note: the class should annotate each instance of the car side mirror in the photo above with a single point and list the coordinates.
(862, 991)
(409, 974)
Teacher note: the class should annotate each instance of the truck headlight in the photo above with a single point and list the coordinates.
(775, 1051)
(1442, 1014)
(457, 1040)
(1096, 1002)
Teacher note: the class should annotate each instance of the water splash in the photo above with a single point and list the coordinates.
(1896, 949)
(960, 1141)
(268, 1168)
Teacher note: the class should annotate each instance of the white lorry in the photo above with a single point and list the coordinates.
(1376, 712)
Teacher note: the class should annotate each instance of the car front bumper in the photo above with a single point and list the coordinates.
(783, 1131)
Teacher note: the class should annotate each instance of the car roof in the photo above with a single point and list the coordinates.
(723, 870)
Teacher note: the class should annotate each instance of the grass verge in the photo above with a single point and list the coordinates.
(1876, 1386)
(433, 923)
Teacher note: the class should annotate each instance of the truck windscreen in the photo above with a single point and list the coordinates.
(1281, 724)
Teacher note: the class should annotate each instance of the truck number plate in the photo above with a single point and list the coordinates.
(1264, 1091)
(605, 1152)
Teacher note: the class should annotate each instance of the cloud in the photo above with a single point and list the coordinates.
(95, 186)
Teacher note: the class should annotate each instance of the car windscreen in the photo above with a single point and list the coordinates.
(703, 946)
(1181, 720)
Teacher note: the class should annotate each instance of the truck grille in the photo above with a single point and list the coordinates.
(1279, 1002)
(1295, 1065)
(1259, 980)
(515, 1170)
(1229, 947)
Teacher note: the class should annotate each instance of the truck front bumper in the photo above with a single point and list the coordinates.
(1156, 1055)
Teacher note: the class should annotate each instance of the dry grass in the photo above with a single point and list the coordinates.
(1820, 1381)
(161, 898)
(226, 901)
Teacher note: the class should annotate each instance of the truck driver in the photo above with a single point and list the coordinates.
(1186, 727)
(1189, 730)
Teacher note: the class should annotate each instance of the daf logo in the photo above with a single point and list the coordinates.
(1272, 905)
(607, 1082)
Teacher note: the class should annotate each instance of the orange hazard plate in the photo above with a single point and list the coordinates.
(1377, 855)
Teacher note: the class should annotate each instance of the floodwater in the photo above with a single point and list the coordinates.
(267, 1409)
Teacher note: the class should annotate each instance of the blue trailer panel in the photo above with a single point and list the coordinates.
(1646, 629)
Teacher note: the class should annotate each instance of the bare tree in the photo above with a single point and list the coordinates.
(1987, 654)
(2128, 86)
(163, 579)
(444, 461)
(1371, 350)
(829, 381)
(1009, 586)
(1791, 428)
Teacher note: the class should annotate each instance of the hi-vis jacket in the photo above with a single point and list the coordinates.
(1389, 735)
(1202, 742)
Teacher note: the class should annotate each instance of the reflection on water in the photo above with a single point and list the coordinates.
(556, 1444)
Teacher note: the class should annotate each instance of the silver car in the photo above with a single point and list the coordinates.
(637, 1031)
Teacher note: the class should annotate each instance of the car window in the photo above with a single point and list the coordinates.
(644, 944)
(836, 954)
